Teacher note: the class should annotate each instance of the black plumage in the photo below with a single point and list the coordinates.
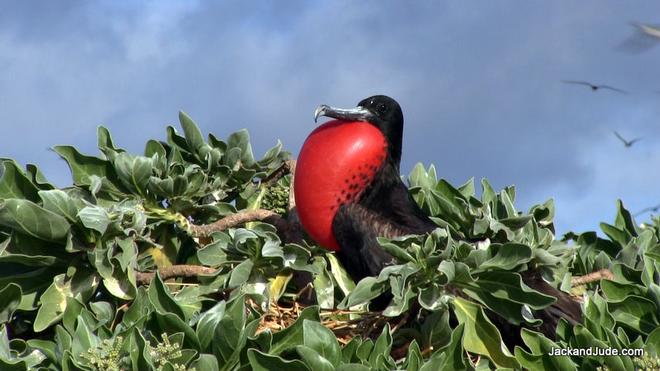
(385, 208)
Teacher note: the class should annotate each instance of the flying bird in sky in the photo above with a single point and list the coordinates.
(652, 209)
(626, 143)
(645, 37)
(595, 87)
(348, 192)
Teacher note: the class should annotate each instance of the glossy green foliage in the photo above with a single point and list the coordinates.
(71, 258)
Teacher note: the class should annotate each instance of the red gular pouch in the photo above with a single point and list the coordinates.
(337, 162)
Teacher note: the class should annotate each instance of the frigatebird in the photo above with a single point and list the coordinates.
(646, 36)
(626, 143)
(347, 186)
(652, 209)
(594, 87)
(349, 192)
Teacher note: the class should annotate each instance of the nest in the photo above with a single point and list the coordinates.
(345, 324)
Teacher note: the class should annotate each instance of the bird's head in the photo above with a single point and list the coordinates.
(379, 110)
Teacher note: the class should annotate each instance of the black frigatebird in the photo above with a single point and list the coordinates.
(594, 87)
(646, 37)
(648, 209)
(349, 192)
(626, 143)
(347, 186)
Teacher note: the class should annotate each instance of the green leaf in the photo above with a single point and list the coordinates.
(488, 194)
(340, 275)
(208, 322)
(414, 358)
(265, 362)
(10, 299)
(430, 298)
(134, 172)
(60, 203)
(540, 358)
(241, 273)
(95, 217)
(399, 253)
(418, 177)
(314, 360)
(323, 286)
(506, 257)
(323, 341)
(14, 183)
(382, 346)
(29, 218)
(624, 219)
(37, 177)
(637, 313)
(509, 286)
(161, 299)
(83, 338)
(240, 141)
(291, 336)
(106, 144)
(271, 154)
(194, 136)
(53, 304)
(617, 235)
(7, 360)
(449, 357)
(206, 362)
(481, 336)
(353, 367)
(616, 292)
(84, 167)
(231, 333)
(367, 289)
(652, 346)
(516, 222)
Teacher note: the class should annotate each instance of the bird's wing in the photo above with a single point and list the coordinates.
(644, 38)
(647, 209)
(634, 140)
(578, 82)
(613, 89)
(620, 137)
(565, 307)
(390, 198)
(650, 30)
(356, 230)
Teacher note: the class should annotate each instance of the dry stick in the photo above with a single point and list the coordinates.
(284, 169)
(144, 278)
(592, 277)
(292, 170)
(234, 220)
(290, 229)
(403, 321)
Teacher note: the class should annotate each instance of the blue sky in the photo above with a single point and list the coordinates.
(479, 83)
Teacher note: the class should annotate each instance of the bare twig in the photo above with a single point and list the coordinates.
(402, 321)
(144, 278)
(237, 219)
(292, 170)
(592, 277)
(287, 167)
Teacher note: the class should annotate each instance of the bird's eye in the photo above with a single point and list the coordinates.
(381, 108)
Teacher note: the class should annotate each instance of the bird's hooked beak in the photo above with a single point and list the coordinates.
(351, 114)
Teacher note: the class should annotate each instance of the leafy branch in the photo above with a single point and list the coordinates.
(82, 272)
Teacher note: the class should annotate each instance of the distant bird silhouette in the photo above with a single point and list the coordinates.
(626, 143)
(646, 210)
(594, 87)
(645, 38)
